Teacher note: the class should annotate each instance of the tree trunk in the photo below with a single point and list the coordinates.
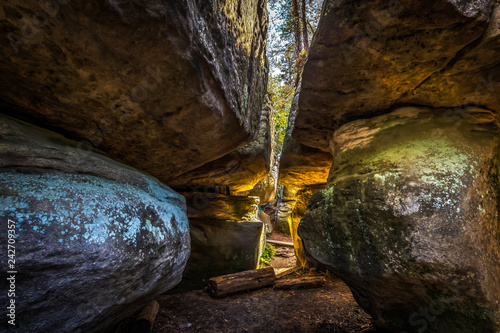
(296, 28)
(305, 34)
(225, 285)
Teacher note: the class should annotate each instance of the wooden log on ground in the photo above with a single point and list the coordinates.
(300, 283)
(225, 285)
(146, 318)
(276, 242)
(280, 272)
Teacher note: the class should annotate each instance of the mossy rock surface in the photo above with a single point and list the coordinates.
(410, 219)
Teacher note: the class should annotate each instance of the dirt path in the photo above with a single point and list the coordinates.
(284, 255)
(330, 308)
(327, 309)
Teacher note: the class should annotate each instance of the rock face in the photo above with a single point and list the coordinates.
(165, 87)
(301, 166)
(410, 219)
(282, 222)
(368, 56)
(241, 170)
(227, 232)
(221, 247)
(96, 240)
(227, 237)
(303, 170)
(222, 207)
(266, 188)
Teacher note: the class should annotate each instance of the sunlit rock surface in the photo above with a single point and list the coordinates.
(283, 213)
(265, 189)
(96, 240)
(163, 86)
(410, 219)
(409, 216)
(300, 165)
(293, 215)
(303, 170)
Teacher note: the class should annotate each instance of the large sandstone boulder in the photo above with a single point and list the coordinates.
(368, 56)
(283, 217)
(410, 219)
(241, 170)
(265, 189)
(208, 205)
(96, 240)
(163, 86)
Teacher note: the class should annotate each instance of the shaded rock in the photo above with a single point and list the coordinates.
(410, 219)
(96, 240)
(266, 188)
(368, 56)
(227, 236)
(266, 220)
(221, 247)
(284, 212)
(162, 86)
(241, 169)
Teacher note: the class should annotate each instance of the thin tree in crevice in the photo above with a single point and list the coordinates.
(292, 23)
(296, 28)
(304, 27)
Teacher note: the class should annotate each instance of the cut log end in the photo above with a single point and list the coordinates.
(146, 318)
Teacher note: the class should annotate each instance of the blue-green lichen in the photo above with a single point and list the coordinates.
(77, 207)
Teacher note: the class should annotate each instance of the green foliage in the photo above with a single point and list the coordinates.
(281, 99)
(268, 254)
(285, 67)
(281, 43)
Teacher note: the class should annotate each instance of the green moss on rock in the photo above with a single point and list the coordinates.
(410, 218)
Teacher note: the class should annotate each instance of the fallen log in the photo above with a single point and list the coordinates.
(225, 285)
(300, 283)
(276, 242)
(280, 272)
(146, 318)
